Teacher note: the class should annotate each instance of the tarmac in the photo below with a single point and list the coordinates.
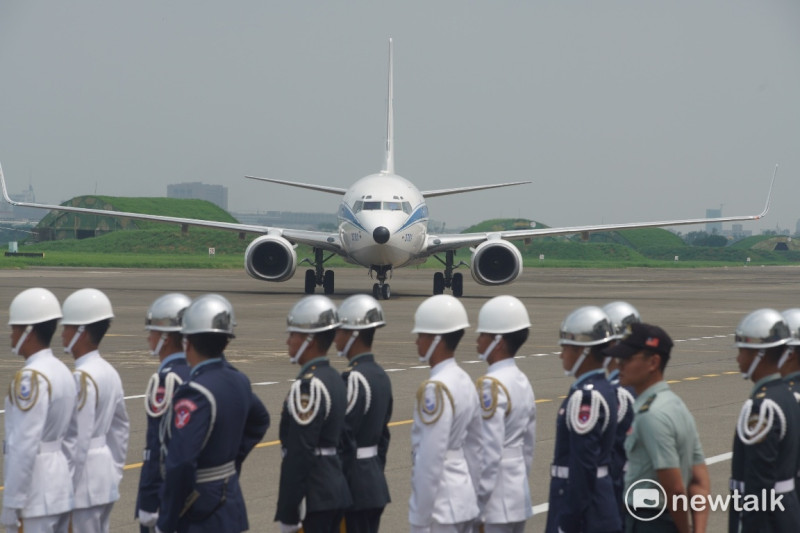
(700, 309)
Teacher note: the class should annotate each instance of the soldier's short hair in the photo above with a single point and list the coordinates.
(324, 339)
(452, 339)
(209, 344)
(44, 331)
(97, 330)
(515, 340)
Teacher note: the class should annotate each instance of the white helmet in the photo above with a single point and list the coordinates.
(210, 313)
(360, 311)
(762, 329)
(33, 306)
(86, 306)
(503, 314)
(440, 314)
(312, 314)
(622, 315)
(792, 319)
(586, 326)
(165, 312)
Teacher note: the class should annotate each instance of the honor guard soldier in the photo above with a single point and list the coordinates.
(163, 324)
(663, 448)
(101, 437)
(509, 417)
(622, 315)
(313, 492)
(767, 438)
(446, 432)
(39, 408)
(369, 409)
(216, 420)
(789, 365)
(581, 490)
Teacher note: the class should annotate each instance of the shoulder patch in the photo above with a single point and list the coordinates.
(82, 381)
(24, 390)
(355, 382)
(430, 401)
(304, 406)
(646, 405)
(183, 412)
(489, 389)
(582, 417)
(753, 428)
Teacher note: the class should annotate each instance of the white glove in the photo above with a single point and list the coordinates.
(157, 530)
(148, 519)
(290, 528)
(10, 518)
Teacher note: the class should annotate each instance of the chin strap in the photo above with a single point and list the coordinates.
(22, 338)
(294, 360)
(427, 357)
(785, 357)
(485, 355)
(754, 364)
(68, 347)
(350, 342)
(578, 362)
(160, 344)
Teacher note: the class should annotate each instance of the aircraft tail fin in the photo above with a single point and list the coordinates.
(388, 167)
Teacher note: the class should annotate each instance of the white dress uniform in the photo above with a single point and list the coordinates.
(509, 435)
(37, 462)
(101, 442)
(445, 449)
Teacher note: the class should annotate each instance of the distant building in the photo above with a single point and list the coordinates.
(216, 194)
(714, 227)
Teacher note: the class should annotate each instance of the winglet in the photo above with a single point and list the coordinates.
(3, 183)
(769, 194)
(389, 166)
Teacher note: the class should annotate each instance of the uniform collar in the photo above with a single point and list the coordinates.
(442, 366)
(502, 363)
(763, 381)
(85, 358)
(614, 374)
(361, 358)
(793, 376)
(171, 358)
(208, 362)
(41, 354)
(322, 360)
(586, 376)
(649, 392)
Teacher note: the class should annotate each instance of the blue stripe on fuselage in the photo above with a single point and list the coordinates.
(347, 214)
(420, 213)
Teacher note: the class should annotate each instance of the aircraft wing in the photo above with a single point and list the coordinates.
(313, 187)
(326, 240)
(440, 243)
(459, 190)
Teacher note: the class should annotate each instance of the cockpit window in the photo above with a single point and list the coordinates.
(407, 208)
(372, 206)
(357, 206)
(369, 205)
(392, 206)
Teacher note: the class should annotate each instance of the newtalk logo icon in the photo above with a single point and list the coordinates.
(646, 500)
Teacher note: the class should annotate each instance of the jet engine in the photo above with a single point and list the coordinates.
(496, 262)
(270, 258)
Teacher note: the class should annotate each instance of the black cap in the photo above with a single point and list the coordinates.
(640, 337)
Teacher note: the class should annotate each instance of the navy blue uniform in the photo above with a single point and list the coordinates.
(151, 477)
(625, 413)
(581, 490)
(793, 380)
(766, 459)
(366, 441)
(311, 428)
(216, 421)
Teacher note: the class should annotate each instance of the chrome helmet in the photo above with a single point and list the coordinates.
(792, 319)
(360, 311)
(622, 315)
(165, 312)
(586, 326)
(762, 329)
(312, 314)
(210, 313)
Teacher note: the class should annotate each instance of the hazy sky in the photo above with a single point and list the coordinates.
(617, 110)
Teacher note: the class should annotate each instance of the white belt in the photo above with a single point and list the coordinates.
(562, 472)
(215, 473)
(324, 451)
(454, 455)
(367, 452)
(97, 442)
(50, 447)
(512, 453)
(781, 487)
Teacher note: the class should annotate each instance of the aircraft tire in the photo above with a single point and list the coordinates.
(327, 282)
(376, 291)
(438, 283)
(386, 292)
(458, 285)
(311, 281)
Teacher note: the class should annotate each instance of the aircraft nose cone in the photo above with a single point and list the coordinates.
(381, 235)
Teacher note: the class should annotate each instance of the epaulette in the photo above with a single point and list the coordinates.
(430, 401)
(754, 428)
(23, 391)
(305, 405)
(489, 389)
(355, 381)
(646, 405)
(582, 418)
(625, 401)
(82, 380)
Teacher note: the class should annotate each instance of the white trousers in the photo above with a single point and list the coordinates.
(91, 519)
(44, 524)
(461, 527)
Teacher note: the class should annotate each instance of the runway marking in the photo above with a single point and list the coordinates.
(711, 375)
(266, 383)
(394, 369)
(691, 379)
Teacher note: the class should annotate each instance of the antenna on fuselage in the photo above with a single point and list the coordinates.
(389, 166)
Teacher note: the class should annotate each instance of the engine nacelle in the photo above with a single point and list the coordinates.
(496, 262)
(270, 258)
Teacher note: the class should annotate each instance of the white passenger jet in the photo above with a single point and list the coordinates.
(383, 225)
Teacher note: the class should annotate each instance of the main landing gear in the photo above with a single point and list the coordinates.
(448, 279)
(318, 275)
(381, 289)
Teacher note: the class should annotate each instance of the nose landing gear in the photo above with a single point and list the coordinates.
(318, 275)
(448, 279)
(381, 290)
